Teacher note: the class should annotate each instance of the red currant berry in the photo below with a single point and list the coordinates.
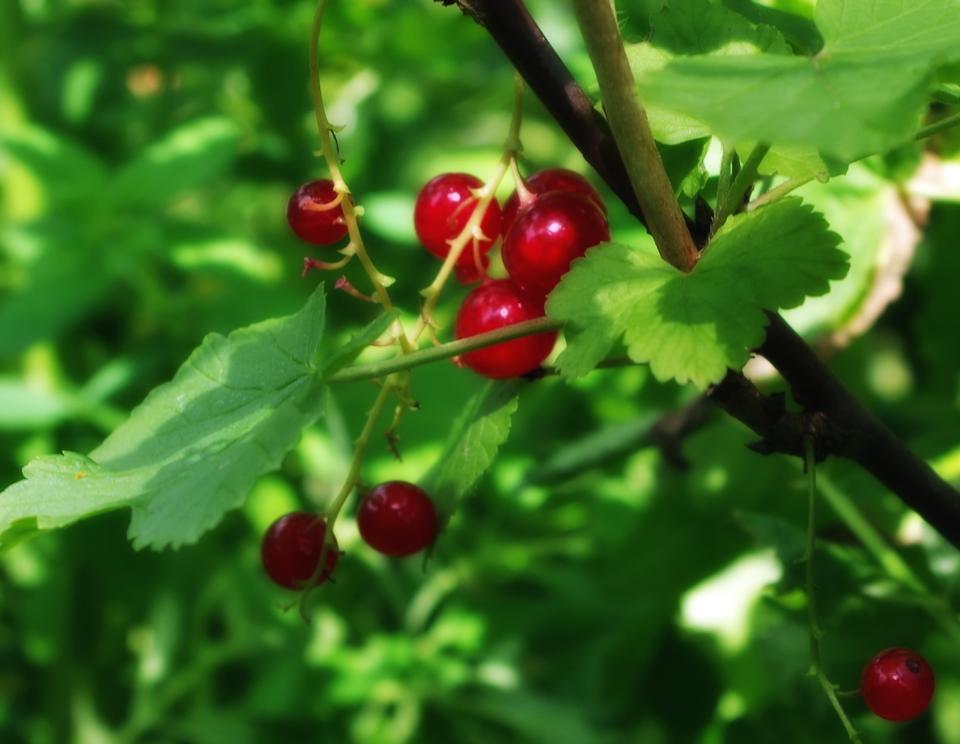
(397, 519)
(468, 272)
(443, 208)
(291, 550)
(311, 217)
(547, 236)
(494, 305)
(897, 684)
(545, 181)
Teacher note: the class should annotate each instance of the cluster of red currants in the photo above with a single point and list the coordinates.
(395, 518)
(552, 220)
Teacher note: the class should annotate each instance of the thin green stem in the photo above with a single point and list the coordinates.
(373, 370)
(793, 184)
(938, 126)
(726, 172)
(631, 131)
(738, 189)
(815, 632)
(360, 448)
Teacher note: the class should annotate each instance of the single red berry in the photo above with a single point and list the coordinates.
(291, 550)
(897, 684)
(397, 519)
(443, 208)
(547, 236)
(468, 272)
(545, 181)
(494, 305)
(311, 217)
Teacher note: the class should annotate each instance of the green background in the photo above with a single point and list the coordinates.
(589, 591)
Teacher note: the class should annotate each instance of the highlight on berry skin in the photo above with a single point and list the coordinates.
(545, 181)
(315, 214)
(898, 684)
(292, 547)
(397, 519)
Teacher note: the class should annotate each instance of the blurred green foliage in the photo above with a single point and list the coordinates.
(588, 592)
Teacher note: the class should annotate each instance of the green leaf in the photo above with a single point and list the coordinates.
(194, 448)
(801, 32)
(472, 445)
(188, 156)
(700, 27)
(25, 407)
(693, 327)
(863, 92)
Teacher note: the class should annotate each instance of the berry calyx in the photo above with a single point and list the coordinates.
(291, 550)
(545, 181)
(547, 236)
(397, 519)
(315, 215)
(494, 305)
(444, 206)
(897, 684)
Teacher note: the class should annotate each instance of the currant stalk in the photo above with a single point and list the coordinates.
(815, 632)
(470, 231)
(379, 280)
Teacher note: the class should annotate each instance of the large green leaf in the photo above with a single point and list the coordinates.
(693, 327)
(193, 449)
(863, 92)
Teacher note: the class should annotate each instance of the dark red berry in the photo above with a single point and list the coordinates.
(291, 550)
(547, 236)
(494, 305)
(545, 181)
(397, 519)
(443, 208)
(469, 272)
(310, 216)
(897, 684)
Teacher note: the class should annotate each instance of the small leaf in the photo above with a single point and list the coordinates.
(472, 445)
(194, 448)
(693, 327)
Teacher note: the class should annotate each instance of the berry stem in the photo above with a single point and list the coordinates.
(373, 370)
(778, 192)
(379, 280)
(332, 512)
(815, 632)
(511, 147)
(741, 184)
(631, 131)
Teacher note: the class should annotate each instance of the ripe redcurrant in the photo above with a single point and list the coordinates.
(897, 684)
(312, 218)
(547, 236)
(397, 518)
(494, 305)
(291, 550)
(545, 181)
(443, 208)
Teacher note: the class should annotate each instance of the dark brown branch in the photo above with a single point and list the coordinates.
(839, 422)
